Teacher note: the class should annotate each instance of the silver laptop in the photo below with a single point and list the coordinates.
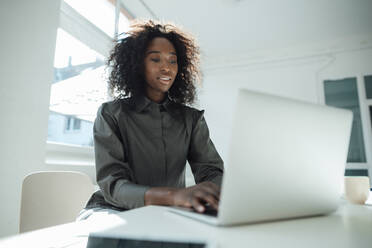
(287, 159)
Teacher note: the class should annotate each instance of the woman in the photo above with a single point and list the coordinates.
(144, 137)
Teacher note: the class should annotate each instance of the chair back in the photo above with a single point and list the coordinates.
(53, 197)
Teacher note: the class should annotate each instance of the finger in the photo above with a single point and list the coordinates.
(197, 205)
(205, 197)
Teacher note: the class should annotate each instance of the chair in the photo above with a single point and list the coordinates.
(52, 197)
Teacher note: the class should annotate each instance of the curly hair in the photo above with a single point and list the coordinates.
(126, 61)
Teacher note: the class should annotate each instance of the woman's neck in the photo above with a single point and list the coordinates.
(156, 97)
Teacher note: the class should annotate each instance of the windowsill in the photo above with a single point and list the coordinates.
(58, 154)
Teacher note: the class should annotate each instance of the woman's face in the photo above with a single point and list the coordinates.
(160, 68)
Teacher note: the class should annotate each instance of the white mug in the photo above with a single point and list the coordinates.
(357, 189)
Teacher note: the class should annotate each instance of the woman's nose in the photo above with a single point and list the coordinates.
(164, 68)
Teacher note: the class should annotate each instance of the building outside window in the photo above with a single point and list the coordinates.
(84, 40)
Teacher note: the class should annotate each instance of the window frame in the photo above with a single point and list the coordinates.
(364, 113)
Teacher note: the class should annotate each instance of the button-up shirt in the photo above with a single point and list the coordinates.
(141, 144)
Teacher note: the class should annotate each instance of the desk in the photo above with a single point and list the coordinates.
(349, 226)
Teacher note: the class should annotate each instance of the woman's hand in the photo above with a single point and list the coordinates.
(197, 196)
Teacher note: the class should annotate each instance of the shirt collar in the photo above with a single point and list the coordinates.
(141, 103)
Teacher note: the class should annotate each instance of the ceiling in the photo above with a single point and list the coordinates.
(232, 27)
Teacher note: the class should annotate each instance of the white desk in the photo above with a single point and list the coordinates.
(350, 226)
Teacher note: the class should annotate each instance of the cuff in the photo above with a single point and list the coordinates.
(132, 195)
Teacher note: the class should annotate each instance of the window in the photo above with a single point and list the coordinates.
(84, 39)
(355, 94)
(78, 89)
(101, 13)
(72, 124)
(368, 86)
(344, 94)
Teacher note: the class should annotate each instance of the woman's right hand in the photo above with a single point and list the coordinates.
(197, 196)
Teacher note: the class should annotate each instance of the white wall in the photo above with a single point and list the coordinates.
(28, 32)
(221, 89)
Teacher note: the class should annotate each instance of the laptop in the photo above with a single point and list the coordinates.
(287, 160)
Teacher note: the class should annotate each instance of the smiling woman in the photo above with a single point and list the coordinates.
(132, 53)
(160, 68)
(144, 137)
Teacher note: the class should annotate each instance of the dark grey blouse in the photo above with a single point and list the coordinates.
(141, 144)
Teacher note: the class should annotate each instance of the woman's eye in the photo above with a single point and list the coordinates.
(173, 61)
(155, 60)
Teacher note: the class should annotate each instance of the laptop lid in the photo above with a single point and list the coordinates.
(287, 159)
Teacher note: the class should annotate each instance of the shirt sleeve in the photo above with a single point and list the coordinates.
(114, 175)
(206, 164)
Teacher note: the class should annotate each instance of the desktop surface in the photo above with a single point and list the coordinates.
(349, 226)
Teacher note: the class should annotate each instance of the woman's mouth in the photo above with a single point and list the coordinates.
(164, 79)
